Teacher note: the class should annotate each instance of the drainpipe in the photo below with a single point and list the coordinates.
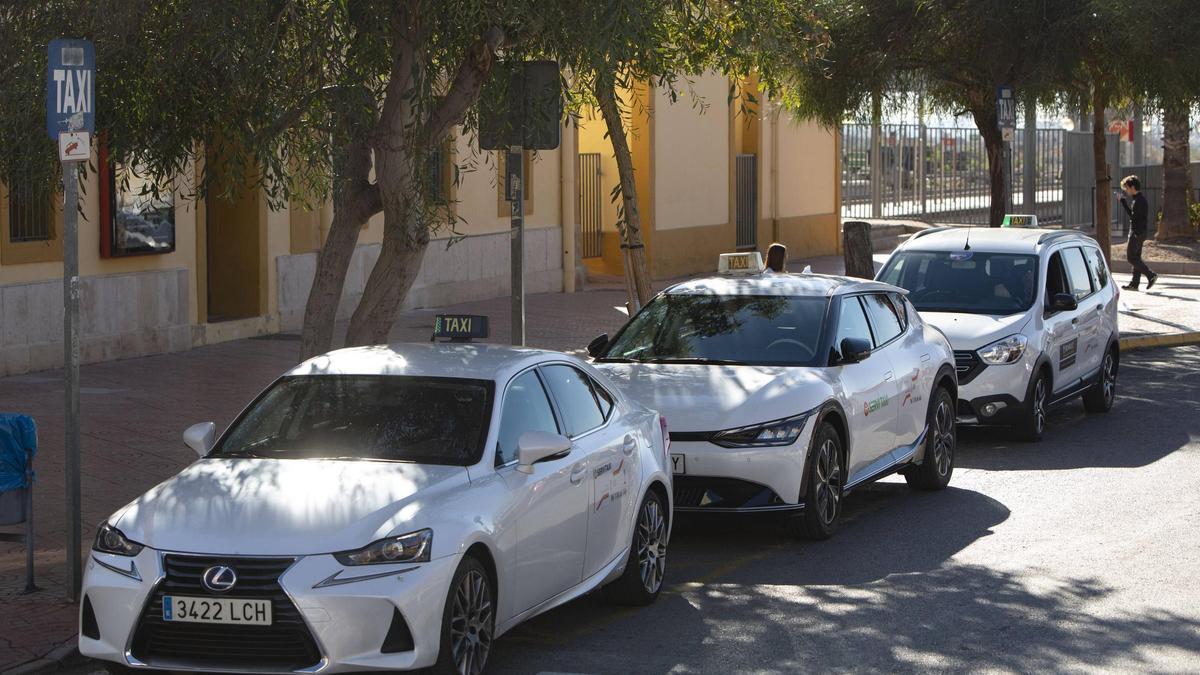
(567, 160)
(775, 117)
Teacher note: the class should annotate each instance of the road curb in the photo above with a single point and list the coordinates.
(1168, 340)
(1175, 268)
(62, 655)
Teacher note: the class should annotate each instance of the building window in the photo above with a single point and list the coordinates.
(440, 175)
(30, 213)
(135, 220)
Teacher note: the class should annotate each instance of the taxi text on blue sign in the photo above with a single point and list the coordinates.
(70, 87)
(1006, 107)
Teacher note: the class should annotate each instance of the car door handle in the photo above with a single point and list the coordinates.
(578, 472)
(629, 446)
(887, 377)
(924, 358)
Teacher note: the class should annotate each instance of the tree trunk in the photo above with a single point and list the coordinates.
(1177, 181)
(405, 238)
(857, 249)
(631, 232)
(987, 123)
(1103, 220)
(355, 200)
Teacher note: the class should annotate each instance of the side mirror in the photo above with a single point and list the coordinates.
(596, 347)
(854, 350)
(537, 446)
(1063, 302)
(200, 437)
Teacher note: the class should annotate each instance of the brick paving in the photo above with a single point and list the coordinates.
(134, 411)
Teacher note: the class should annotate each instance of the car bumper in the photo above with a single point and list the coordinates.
(348, 611)
(734, 480)
(996, 394)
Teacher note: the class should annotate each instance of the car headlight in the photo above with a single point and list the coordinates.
(767, 434)
(1003, 351)
(110, 540)
(407, 548)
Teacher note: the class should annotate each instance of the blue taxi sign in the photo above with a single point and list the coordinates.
(460, 327)
(70, 87)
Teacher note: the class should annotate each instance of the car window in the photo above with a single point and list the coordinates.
(428, 420)
(731, 329)
(897, 301)
(576, 401)
(1056, 277)
(853, 322)
(969, 282)
(604, 398)
(1077, 273)
(885, 321)
(1097, 266)
(526, 408)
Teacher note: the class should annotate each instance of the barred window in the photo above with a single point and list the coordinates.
(30, 213)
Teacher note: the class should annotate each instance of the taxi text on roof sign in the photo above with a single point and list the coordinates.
(70, 87)
(740, 263)
(1019, 220)
(460, 326)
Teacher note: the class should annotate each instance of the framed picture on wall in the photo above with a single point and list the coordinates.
(134, 220)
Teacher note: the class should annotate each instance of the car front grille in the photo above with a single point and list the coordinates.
(968, 365)
(701, 492)
(283, 646)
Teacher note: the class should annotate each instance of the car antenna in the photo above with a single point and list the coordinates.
(967, 245)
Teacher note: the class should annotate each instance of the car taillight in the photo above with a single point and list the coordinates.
(666, 435)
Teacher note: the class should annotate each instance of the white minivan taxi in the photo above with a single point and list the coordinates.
(1032, 315)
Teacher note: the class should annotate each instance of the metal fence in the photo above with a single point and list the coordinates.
(747, 201)
(940, 174)
(30, 212)
(591, 213)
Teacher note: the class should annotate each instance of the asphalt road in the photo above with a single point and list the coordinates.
(1078, 553)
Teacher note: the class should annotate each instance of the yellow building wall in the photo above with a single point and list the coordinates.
(691, 160)
(807, 201)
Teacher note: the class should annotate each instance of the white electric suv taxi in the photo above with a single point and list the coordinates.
(1032, 315)
(786, 391)
(385, 508)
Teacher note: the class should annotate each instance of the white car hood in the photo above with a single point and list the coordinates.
(711, 398)
(972, 331)
(282, 507)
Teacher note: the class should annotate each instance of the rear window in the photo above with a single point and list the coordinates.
(969, 282)
(365, 417)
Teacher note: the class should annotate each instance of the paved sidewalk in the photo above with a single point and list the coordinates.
(134, 411)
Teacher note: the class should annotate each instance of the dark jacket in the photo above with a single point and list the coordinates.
(1139, 214)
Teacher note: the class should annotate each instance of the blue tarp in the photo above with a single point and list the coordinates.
(17, 434)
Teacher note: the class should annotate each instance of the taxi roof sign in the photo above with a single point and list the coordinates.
(460, 327)
(750, 262)
(1019, 220)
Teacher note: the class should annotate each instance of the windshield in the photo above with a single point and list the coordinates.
(735, 330)
(369, 417)
(969, 282)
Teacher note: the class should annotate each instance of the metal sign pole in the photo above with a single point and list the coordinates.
(515, 170)
(71, 372)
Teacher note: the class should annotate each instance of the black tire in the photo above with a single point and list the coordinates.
(1100, 396)
(1033, 423)
(941, 440)
(468, 621)
(646, 566)
(825, 488)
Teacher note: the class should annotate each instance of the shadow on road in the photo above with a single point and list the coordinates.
(1158, 394)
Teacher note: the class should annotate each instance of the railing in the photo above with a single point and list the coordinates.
(940, 174)
(747, 201)
(591, 206)
(30, 215)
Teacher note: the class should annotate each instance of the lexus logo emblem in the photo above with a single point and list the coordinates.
(219, 578)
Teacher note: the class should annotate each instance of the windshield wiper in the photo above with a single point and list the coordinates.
(695, 359)
(615, 359)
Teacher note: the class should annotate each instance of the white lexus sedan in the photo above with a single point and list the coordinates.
(786, 391)
(385, 508)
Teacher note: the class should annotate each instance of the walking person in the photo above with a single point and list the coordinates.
(1139, 214)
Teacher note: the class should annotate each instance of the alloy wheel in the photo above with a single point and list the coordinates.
(1109, 378)
(943, 438)
(828, 485)
(471, 623)
(652, 545)
(1039, 405)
